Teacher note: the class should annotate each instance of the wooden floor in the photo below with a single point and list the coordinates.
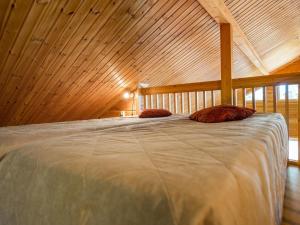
(291, 211)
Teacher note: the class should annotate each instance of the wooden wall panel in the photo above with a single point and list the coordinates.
(123, 105)
(291, 67)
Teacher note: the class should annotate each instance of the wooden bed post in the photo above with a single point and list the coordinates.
(226, 63)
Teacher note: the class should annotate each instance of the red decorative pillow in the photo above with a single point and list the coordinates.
(221, 113)
(151, 113)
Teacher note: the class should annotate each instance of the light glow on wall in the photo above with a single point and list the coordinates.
(126, 95)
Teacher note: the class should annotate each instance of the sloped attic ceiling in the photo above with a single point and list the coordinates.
(70, 59)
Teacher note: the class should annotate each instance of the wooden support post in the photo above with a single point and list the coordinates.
(226, 63)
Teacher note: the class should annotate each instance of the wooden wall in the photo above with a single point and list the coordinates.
(291, 67)
(124, 105)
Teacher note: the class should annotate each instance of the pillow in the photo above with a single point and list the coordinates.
(221, 113)
(151, 113)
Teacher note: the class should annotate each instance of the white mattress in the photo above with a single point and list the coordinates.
(144, 171)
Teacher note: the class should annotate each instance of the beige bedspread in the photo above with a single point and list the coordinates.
(172, 171)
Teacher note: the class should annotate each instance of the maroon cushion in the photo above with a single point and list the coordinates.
(221, 113)
(151, 113)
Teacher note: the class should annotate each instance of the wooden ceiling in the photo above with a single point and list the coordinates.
(273, 27)
(71, 59)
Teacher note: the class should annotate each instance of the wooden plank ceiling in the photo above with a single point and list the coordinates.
(273, 27)
(71, 59)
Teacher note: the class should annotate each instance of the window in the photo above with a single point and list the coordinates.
(293, 92)
(258, 95)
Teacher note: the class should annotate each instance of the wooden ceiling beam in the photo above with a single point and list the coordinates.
(221, 14)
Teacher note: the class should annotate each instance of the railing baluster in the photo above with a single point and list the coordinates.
(196, 101)
(234, 97)
(189, 102)
(151, 101)
(182, 102)
(174, 102)
(212, 98)
(145, 102)
(169, 101)
(204, 99)
(286, 105)
(253, 98)
(274, 99)
(244, 97)
(264, 90)
(163, 101)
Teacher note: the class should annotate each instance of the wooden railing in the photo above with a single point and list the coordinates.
(188, 98)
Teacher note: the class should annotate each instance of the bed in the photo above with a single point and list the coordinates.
(166, 171)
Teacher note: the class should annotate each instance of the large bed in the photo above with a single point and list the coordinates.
(131, 171)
